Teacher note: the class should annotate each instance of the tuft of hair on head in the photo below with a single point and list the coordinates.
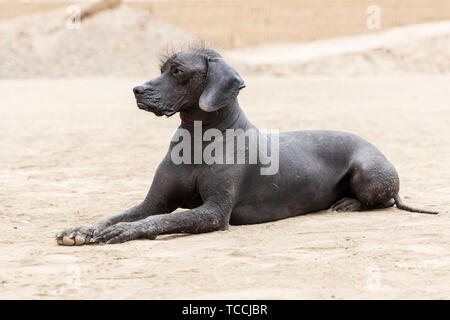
(203, 49)
(198, 47)
(164, 57)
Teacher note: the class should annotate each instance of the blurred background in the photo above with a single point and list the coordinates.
(237, 23)
(57, 38)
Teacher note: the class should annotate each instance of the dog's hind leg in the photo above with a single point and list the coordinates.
(373, 183)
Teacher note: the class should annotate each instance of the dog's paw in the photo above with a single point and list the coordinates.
(347, 204)
(118, 233)
(77, 236)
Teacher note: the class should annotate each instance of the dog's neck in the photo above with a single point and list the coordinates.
(228, 117)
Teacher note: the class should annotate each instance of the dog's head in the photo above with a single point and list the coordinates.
(191, 79)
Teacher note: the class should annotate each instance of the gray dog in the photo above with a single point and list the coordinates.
(318, 170)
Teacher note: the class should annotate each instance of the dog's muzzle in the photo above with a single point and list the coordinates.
(150, 100)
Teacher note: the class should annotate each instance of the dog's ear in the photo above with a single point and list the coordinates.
(222, 85)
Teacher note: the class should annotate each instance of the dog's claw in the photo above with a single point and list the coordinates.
(68, 241)
(77, 236)
(79, 241)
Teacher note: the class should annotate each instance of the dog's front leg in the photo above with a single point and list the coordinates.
(161, 199)
(206, 218)
(84, 234)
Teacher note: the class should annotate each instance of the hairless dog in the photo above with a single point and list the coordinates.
(317, 170)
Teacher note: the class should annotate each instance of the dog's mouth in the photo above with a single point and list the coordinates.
(157, 111)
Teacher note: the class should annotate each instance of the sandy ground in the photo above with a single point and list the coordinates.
(74, 151)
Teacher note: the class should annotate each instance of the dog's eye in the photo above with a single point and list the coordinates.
(177, 72)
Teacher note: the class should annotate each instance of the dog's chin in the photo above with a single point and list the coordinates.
(155, 110)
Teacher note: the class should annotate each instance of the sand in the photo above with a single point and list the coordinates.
(74, 151)
(415, 49)
(117, 42)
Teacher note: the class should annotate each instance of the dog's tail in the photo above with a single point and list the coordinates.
(399, 203)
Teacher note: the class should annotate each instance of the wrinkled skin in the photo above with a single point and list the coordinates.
(317, 169)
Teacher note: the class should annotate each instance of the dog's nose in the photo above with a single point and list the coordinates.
(138, 89)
